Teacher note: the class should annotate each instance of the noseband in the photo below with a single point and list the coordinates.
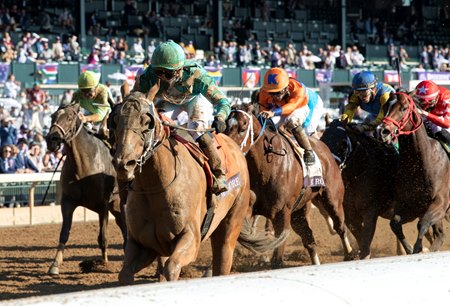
(250, 133)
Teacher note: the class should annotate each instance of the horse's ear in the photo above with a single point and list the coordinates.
(153, 91)
(255, 97)
(125, 88)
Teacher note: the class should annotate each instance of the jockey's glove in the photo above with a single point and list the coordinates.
(219, 124)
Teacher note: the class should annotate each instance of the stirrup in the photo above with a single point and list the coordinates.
(219, 184)
(309, 158)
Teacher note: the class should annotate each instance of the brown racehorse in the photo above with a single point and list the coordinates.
(88, 177)
(368, 170)
(168, 198)
(277, 180)
(422, 186)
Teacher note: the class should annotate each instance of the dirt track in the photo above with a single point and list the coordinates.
(26, 253)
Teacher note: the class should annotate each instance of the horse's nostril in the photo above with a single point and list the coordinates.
(385, 132)
(130, 164)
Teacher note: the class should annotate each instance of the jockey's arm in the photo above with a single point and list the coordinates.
(350, 109)
(205, 85)
(442, 121)
(297, 99)
(384, 98)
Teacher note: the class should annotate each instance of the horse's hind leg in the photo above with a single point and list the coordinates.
(102, 238)
(335, 211)
(67, 210)
(136, 258)
(280, 222)
(438, 236)
(301, 225)
(185, 251)
(396, 227)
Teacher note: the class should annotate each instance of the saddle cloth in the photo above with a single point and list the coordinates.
(312, 175)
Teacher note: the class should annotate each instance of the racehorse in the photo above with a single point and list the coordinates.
(422, 185)
(368, 170)
(88, 177)
(277, 180)
(169, 197)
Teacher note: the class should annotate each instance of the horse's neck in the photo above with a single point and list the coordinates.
(86, 154)
(160, 169)
(415, 147)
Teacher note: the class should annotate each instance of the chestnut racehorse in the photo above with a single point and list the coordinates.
(277, 180)
(88, 177)
(169, 196)
(422, 184)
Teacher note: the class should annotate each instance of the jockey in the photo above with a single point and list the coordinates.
(371, 96)
(434, 101)
(288, 98)
(95, 98)
(186, 86)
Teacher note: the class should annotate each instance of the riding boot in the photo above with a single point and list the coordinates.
(303, 140)
(220, 181)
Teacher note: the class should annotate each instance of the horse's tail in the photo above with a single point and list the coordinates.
(260, 241)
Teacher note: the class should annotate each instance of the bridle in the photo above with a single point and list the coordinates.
(66, 134)
(249, 133)
(410, 116)
(148, 136)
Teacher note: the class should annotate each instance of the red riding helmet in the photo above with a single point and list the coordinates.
(426, 92)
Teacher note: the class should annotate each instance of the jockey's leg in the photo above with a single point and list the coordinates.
(303, 140)
(207, 145)
(444, 136)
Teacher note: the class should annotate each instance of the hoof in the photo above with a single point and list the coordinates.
(54, 270)
(208, 273)
(125, 278)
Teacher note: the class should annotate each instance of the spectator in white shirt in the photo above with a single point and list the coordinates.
(11, 87)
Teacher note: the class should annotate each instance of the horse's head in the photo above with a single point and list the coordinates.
(241, 126)
(336, 137)
(136, 126)
(401, 118)
(64, 127)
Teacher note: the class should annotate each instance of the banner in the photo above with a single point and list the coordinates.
(47, 73)
(96, 68)
(391, 76)
(433, 76)
(215, 73)
(323, 75)
(4, 72)
(250, 77)
(132, 71)
(292, 73)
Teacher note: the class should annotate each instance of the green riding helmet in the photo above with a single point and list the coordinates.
(87, 80)
(168, 55)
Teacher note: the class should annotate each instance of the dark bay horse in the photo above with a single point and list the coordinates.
(88, 177)
(368, 170)
(422, 184)
(277, 181)
(168, 198)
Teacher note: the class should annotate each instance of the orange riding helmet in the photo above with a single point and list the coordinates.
(275, 80)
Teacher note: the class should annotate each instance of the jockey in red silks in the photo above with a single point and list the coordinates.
(434, 101)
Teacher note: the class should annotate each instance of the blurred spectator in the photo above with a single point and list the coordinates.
(66, 98)
(58, 51)
(403, 57)
(211, 61)
(45, 22)
(7, 162)
(3, 112)
(93, 57)
(35, 155)
(11, 87)
(8, 133)
(36, 96)
(66, 20)
(74, 48)
(7, 54)
(23, 163)
(190, 50)
(357, 57)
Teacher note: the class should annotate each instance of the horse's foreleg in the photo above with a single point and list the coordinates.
(279, 223)
(433, 217)
(67, 210)
(301, 225)
(369, 223)
(136, 258)
(184, 253)
(102, 238)
(396, 227)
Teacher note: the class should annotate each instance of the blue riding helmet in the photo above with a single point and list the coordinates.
(364, 80)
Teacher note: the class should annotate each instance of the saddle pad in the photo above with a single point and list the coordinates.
(312, 175)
